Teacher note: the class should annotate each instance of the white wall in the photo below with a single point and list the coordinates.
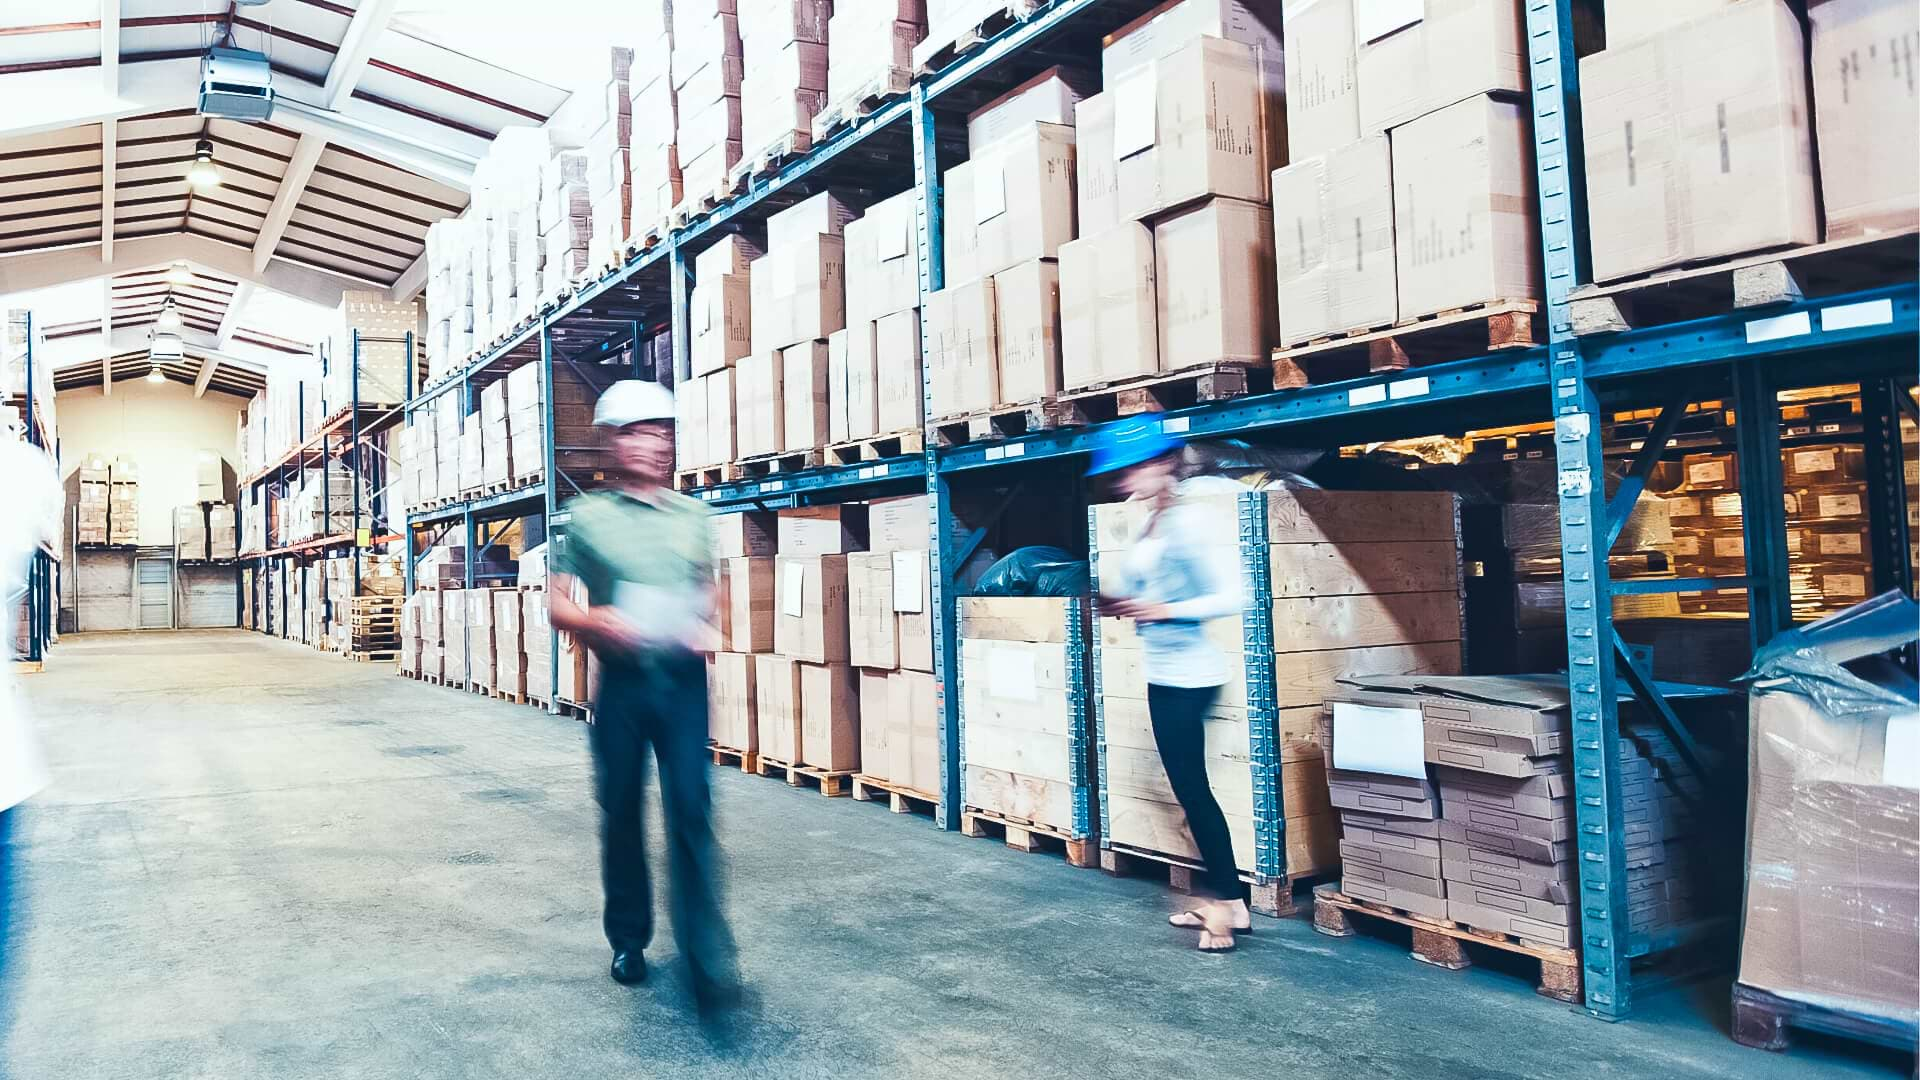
(161, 426)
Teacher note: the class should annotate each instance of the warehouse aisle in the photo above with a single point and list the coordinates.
(260, 861)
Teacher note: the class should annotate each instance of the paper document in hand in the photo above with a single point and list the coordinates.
(661, 615)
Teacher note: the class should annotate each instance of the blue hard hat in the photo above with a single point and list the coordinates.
(1129, 442)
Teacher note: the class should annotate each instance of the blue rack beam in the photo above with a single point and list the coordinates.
(524, 499)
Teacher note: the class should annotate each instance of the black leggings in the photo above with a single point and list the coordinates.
(1179, 717)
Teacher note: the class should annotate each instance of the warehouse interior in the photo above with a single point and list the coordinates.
(1546, 393)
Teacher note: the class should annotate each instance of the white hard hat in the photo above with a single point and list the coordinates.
(633, 401)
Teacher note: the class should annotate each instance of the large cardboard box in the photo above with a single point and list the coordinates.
(1333, 241)
(1416, 58)
(776, 695)
(1048, 97)
(965, 364)
(1109, 321)
(798, 291)
(901, 400)
(1096, 173)
(1689, 160)
(721, 441)
(876, 705)
(914, 733)
(1027, 302)
(509, 646)
(759, 388)
(873, 627)
(804, 387)
(1631, 20)
(748, 619)
(745, 532)
(721, 328)
(830, 716)
(1010, 202)
(735, 708)
(823, 530)
(1172, 25)
(810, 598)
(1465, 218)
(1191, 125)
(1213, 271)
(897, 523)
(1863, 93)
(1323, 88)
(883, 259)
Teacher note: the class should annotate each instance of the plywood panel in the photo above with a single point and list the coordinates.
(1312, 516)
(1013, 618)
(1030, 798)
(1352, 568)
(1315, 623)
(1026, 752)
(1306, 678)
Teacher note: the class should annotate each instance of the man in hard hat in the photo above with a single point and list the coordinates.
(644, 555)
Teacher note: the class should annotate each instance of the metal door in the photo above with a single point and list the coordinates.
(153, 584)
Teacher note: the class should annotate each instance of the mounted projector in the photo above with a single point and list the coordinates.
(236, 84)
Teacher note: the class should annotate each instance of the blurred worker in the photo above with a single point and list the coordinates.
(33, 496)
(1172, 579)
(645, 556)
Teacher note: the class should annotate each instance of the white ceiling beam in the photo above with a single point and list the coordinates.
(106, 334)
(109, 171)
(370, 20)
(208, 362)
(30, 271)
(110, 46)
(128, 341)
(293, 184)
(40, 101)
(439, 163)
(411, 281)
(230, 319)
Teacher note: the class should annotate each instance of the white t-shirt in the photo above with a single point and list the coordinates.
(1174, 562)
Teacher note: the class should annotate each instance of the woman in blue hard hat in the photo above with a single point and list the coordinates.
(1172, 579)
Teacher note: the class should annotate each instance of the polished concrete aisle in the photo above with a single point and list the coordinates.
(259, 861)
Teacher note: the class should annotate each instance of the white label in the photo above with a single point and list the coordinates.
(1686, 545)
(774, 485)
(1375, 738)
(1729, 547)
(1683, 507)
(892, 243)
(1900, 764)
(1725, 505)
(909, 584)
(1844, 585)
(1135, 116)
(1839, 505)
(1854, 316)
(995, 453)
(989, 189)
(1806, 461)
(1016, 450)
(1409, 388)
(1827, 429)
(1793, 541)
(793, 589)
(1366, 395)
(1707, 472)
(1840, 544)
(1779, 327)
(1010, 674)
(1175, 425)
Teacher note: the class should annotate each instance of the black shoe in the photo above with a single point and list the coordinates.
(629, 967)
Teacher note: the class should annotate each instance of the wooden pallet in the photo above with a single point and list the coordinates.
(1744, 283)
(837, 116)
(773, 464)
(747, 760)
(1445, 335)
(579, 710)
(1166, 390)
(876, 447)
(931, 55)
(1443, 942)
(1268, 897)
(1004, 422)
(1763, 1020)
(900, 798)
(375, 656)
(1022, 835)
(831, 784)
(513, 696)
(705, 476)
(769, 159)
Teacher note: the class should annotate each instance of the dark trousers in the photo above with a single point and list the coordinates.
(1179, 716)
(6, 921)
(659, 703)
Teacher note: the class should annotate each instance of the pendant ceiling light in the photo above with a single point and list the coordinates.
(155, 375)
(169, 316)
(179, 274)
(202, 174)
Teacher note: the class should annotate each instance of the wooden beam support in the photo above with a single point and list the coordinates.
(208, 362)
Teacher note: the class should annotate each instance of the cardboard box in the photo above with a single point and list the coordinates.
(810, 599)
(1189, 126)
(722, 428)
(1465, 218)
(913, 738)
(1109, 321)
(776, 695)
(901, 401)
(883, 259)
(1717, 156)
(824, 214)
(735, 704)
(1377, 793)
(759, 387)
(876, 705)
(1333, 240)
(1418, 58)
(873, 627)
(1863, 90)
(1323, 86)
(1049, 97)
(1027, 303)
(1631, 20)
(799, 292)
(1172, 25)
(1485, 818)
(830, 716)
(822, 530)
(965, 365)
(1405, 899)
(804, 387)
(1412, 833)
(745, 532)
(1356, 852)
(1526, 848)
(1380, 875)
(1214, 294)
(1010, 202)
(1096, 173)
(898, 523)
(1548, 795)
(748, 588)
(1501, 920)
(851, 390)
(913, 603)
(721, 329)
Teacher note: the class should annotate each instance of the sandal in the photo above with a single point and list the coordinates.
(1217, 938)
(1190, 920)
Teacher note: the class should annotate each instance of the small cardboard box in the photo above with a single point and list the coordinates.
(1500, 921)
(1377, 793)
(830, 716)
(810, 598)
(804, 387)
(1213, 274)
(1556, 882)
(1548, 795)
(1418, 58)
(1526, 848)
(1689, 160)
(1027, 302)
(1012, 201)
(1362, 888)
(822, 530)
(1360, 870)
(1323, 87)
(1863, 92)
(965, 365)
(1109, 311)
(1333, 240)
(1408, 831)
(1465, 226)
(1485, 818)
(1355, 852)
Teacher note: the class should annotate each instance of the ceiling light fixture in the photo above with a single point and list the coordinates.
(155, 375)
(179, 274)
(169, 316)
(202, 174)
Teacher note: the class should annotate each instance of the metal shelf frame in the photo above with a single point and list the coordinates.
(1570, 381)
(43, 572)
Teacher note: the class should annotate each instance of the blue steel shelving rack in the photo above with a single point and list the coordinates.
(1869, 336)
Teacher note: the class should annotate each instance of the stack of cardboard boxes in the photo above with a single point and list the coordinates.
(449, 294)
(91, 524)
(869, 52)
(798, 298)
(609, 168)
(565, 220)
(367, 352)
(656, 118)
(189, 533)
(707, 70)
(784, 54)
(807, 694)
(874, 374)
(523, 400)
(222, 543)
(123, 503)
(449, 416)
(745, 544)
(1409, 187)
(324, 503)
(720, 337)
(496, 468)
(890, 643)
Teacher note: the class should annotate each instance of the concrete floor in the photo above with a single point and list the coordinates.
(259, 861)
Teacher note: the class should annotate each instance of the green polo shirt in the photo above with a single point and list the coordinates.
(612, 537)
